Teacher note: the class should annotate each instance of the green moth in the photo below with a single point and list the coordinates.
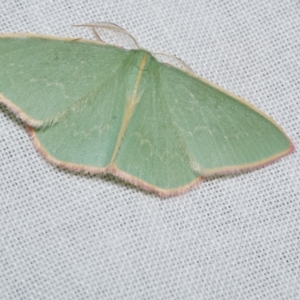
(99, 108)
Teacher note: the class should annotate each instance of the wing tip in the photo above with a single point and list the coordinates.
(251, 166)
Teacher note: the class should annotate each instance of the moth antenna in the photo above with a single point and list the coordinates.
(109, 26)
(184, 65)
(96, 34)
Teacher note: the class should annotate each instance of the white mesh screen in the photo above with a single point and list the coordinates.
(72, 236)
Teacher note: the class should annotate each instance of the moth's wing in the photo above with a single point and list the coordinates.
(85, 137)
(184, 128)
(74, 89)
(222, 132)
(41, 78)
(153, 153)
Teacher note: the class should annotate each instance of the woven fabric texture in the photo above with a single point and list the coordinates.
(75, 236)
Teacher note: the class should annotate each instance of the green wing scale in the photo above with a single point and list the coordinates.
(102, 109)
